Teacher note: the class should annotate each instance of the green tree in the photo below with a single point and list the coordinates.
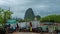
(1, 15)
(51, 18)
(38, 17)
(7, 15)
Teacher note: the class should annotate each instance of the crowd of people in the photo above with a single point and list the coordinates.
(9, 29)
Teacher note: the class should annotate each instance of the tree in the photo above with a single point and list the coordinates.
(8, 14)
(1, 15)
(38, 17)
(51, 18)
(5, 15)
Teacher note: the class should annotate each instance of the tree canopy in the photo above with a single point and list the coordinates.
(5, 15)
(51, 18)
(38, 17)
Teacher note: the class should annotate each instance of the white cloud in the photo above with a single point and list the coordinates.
(20, 6)
(2, 2)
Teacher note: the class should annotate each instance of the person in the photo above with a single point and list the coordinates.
(9, 27)
(7, 30)
(47, 29)
(30, 27)
(17, 27)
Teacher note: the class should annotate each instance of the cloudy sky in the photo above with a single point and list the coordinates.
(40, 7)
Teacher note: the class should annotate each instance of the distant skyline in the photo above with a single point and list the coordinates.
(40, 7)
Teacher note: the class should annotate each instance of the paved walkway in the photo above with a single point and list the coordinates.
(27, 33)
(24, 33)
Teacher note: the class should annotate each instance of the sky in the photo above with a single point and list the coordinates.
(40, 7)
